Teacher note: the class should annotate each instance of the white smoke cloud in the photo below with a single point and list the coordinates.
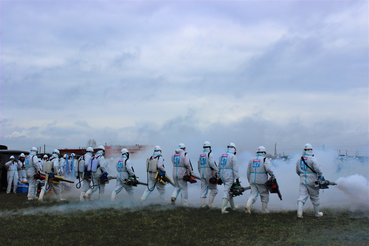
(356, 188)
(352, 191)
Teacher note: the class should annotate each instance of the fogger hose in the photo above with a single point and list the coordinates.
(153, 187)
(79, 183)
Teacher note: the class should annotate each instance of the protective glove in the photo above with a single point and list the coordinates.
(273, 178)
(238, 182)
(77, 177)
(51, 175)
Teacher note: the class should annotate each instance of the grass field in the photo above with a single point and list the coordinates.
(24, 222)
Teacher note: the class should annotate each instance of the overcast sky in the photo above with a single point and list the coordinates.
(164, 72)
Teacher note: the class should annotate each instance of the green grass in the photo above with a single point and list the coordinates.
(153, 225)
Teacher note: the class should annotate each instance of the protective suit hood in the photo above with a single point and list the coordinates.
(178, 151)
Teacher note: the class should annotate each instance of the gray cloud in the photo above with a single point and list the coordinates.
(246, 72)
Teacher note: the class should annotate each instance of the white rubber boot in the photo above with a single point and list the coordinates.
(317, 213)
(224, 206)
(113, 194)
(81, 199)
(87, 194)
(248, 205)
(203, 202)
(143, 198)
(299, 210)
(211, 200)
(101, 196)
(264, 207)
(231, 202)
(41, 196)
(185, 202)
(173, 200)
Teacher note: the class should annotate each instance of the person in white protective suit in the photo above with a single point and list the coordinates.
(54, 159)
(97, 161)
(86, 176)
(181, 167)
(32, 168)
(13, 166)
(22, 175)
(125, 172)
(207, 169)
(257, 174)
(309, 171)
(154, 164)
(228, 172)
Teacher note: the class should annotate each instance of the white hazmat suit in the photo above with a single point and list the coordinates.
(228, 172)
(207, 169)
(86, 181)
(62, 163)
(308, 169)
(12, 175)
(181, 167)
(257, 174)
(125, 171)
(157, 161)
(96, 184)
(56, 187)
(32, 167)
(22, 175)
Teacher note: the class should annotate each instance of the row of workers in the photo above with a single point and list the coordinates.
(227, 171)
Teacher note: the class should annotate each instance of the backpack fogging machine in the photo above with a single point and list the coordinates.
(52, 178)
(163, 178)
(132, 181)
(273, 187)
(237, 189)
(49, 178)
(323, 184)
(214, 179)
(191, 178)
(81, 172)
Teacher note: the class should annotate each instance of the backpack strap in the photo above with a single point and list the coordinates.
(302, 158)
(212, 169)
